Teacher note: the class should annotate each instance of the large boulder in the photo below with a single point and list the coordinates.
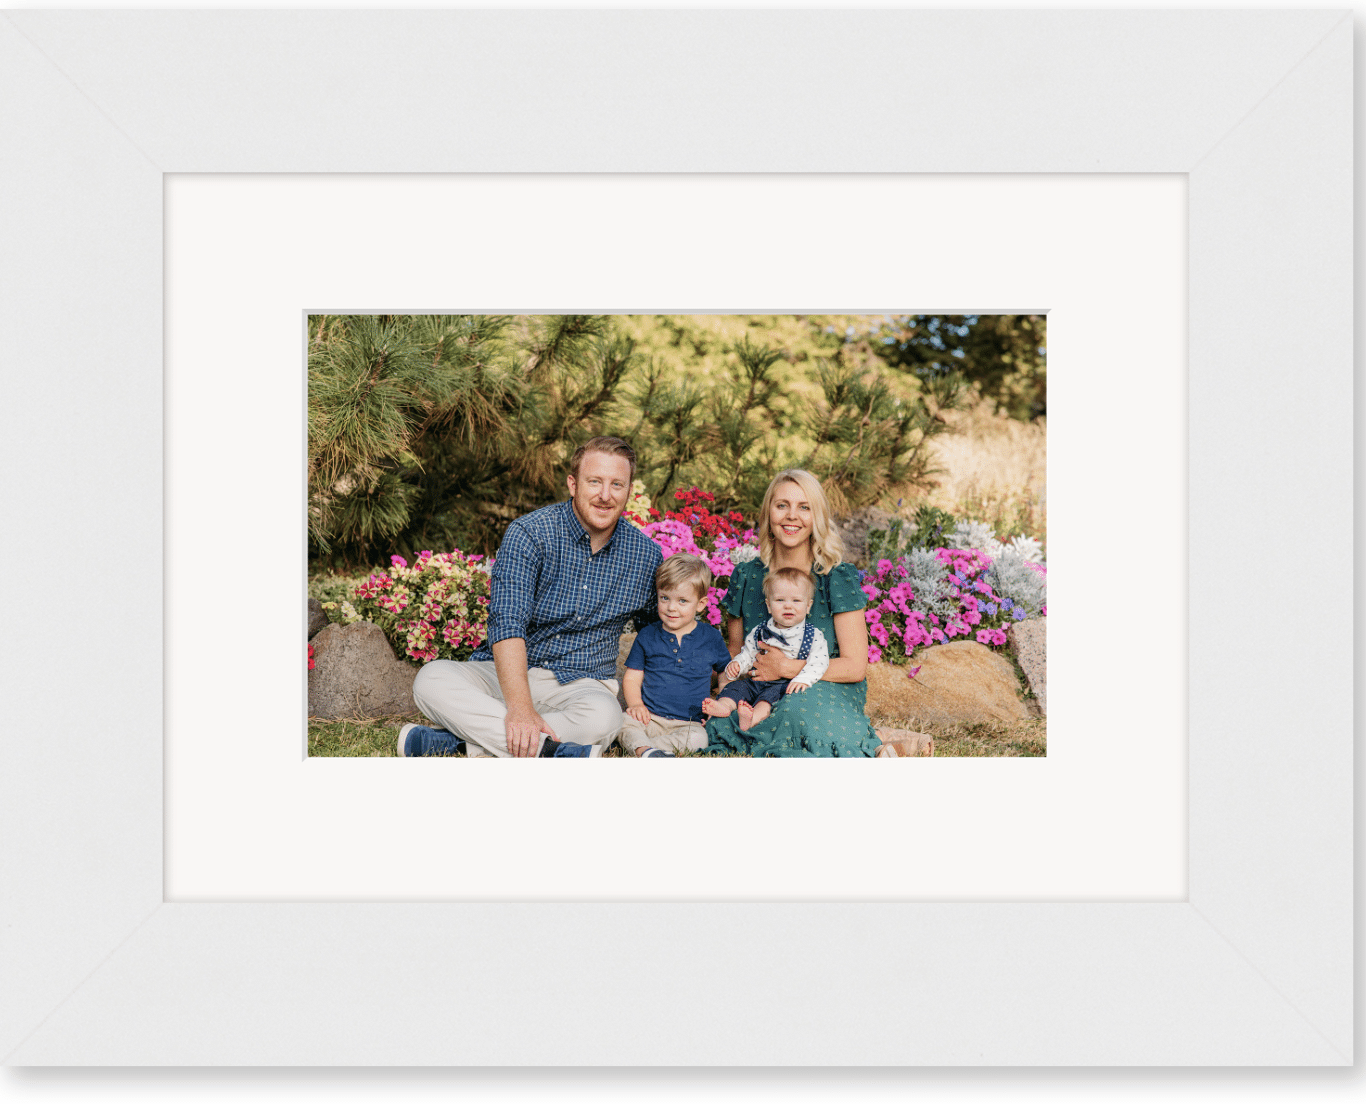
(961, 681)
(1026, 640)
(356, 675)
(317, 618)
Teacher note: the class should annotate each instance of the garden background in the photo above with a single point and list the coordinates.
(429, 434)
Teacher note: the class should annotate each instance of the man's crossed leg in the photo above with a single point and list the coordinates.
(466, 699)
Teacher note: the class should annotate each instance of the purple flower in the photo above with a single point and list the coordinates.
(1018, 613)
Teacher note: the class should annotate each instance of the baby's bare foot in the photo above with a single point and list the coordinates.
(746, 715)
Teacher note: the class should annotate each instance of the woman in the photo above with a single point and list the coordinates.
(828, 719)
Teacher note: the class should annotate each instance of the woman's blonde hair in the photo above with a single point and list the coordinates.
(827, 549)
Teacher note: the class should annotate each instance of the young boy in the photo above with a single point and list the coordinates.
(668, 672)
(788, 593)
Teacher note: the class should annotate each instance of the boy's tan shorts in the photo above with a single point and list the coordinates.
(663, 733)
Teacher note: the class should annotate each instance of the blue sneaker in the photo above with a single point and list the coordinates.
(565, 750)
(655, 753)
(418, 740)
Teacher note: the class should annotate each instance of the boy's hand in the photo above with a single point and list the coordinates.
(639, 712)
(732, 671)
(793, 687)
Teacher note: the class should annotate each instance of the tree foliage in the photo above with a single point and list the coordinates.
(435, 431)
(1001, 355)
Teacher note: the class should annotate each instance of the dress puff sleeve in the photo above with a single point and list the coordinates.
(740, 579)
(846, 589)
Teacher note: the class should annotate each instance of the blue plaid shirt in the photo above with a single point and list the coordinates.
(568, 603)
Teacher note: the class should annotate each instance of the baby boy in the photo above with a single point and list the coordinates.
(788, 593)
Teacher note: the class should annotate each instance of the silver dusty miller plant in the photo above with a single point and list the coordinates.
(1010, 576)
(928, 579)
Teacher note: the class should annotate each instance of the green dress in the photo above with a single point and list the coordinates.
(826, 720)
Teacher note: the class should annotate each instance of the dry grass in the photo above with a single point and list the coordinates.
(995, 470)
(374, 738)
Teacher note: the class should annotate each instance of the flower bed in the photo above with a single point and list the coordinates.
(931, 596)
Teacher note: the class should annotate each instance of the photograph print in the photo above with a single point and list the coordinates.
(677, 536)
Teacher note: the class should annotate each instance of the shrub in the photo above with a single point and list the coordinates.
(435, 609)
(931, 527)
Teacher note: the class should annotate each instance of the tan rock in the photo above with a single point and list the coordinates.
(901, 743)
(962, 681)
(355, 674)
(1026, 639)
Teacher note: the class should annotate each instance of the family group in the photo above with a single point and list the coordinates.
(568, 577)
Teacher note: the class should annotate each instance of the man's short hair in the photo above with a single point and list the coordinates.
(789, 575)
(613, 446)
(681, 568)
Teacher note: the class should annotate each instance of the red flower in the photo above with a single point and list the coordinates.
(310, 657)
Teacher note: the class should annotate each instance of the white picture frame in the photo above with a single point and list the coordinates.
(1254, 968)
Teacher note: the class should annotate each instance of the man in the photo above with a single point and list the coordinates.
(566, 579)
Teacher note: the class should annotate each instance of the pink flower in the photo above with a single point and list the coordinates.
(874, 654)
(870, 591)
(884, 566)
(872, 616)
(398, 561)
(910, 674)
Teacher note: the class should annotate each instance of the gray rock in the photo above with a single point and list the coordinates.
(853, 530)
(355, 675)
(317, 619)
(1026, 640)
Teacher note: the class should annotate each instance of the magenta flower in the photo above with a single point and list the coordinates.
(874, 654)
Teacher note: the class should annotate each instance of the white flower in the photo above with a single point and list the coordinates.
(349, 614)
(743, 553)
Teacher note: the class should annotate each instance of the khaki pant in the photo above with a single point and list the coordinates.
(663, 733)
(465, 698)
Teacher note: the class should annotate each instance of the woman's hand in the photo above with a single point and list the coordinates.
(771, 664)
